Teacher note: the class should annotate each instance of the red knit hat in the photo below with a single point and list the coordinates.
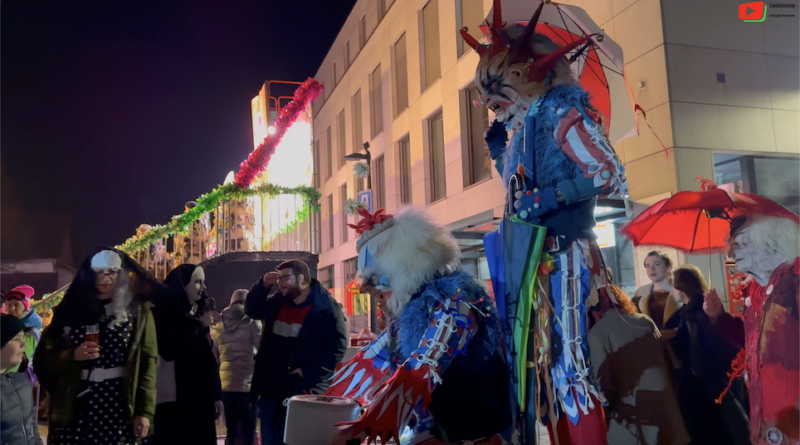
(22, 293)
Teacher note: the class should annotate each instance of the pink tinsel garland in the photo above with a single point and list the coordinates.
(258, 159)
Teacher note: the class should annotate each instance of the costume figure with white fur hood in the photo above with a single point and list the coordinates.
(556, 165)
(441, 351)
(103, 391)
(768, 249)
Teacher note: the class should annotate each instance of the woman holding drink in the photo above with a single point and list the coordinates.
(97, 359)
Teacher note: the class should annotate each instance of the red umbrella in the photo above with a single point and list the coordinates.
(698, 222)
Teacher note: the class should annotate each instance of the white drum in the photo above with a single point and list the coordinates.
(310, 418)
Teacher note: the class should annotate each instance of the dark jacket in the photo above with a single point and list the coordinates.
(705, 354)
(321, 342)
(187, 342)
(17, 420)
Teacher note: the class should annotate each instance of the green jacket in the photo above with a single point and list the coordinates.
(59, 374)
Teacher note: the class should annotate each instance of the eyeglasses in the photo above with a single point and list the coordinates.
(111, 273)
(285, 278)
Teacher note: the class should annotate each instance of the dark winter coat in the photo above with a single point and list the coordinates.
(706, 352)
(17, 419)
(321, 342)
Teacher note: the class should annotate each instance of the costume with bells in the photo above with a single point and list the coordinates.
(441, 350)
(766, 247)
(557, 163)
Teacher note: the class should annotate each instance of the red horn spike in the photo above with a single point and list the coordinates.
(538, 71)
(529, 29)
(497, 17)
(469, 39)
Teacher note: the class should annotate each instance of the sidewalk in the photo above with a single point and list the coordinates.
(543, 439)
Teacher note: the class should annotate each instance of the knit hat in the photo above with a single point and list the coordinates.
(239, 296)
(10, 326)
(23, 294)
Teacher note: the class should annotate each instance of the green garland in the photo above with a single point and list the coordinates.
(208, 203)
(48, 302)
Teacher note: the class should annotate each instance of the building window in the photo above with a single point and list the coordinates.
(376, 103)
(361, 184)
(347, 56)
(432, 69)
(358, 135)
(438, 189)
(378, 184)
(345, 217)
(475, 122)
(400, 76)
(328, 211)
(317, 179)
(328, 154)
(770, 176)
(350, 269)
(317, 231)
(335, 76)
(362, 32)
(404, 164)
(470, 15)
(325, 277)
(381, 10)
(342, 141)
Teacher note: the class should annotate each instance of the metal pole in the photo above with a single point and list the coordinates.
(373, 303)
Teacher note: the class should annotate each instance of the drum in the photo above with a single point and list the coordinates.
(310, 418)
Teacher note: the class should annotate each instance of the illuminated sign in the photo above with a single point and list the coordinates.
(259, 112)
(605, 235)
(291, 165)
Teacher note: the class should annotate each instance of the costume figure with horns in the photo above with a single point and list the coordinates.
(556, 165)
(766, 247)
(437, 373)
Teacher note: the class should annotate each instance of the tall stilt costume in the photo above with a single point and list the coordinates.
(767, 249)
(441, 350)
(546, 266)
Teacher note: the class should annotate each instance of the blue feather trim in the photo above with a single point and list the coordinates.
(416, 315)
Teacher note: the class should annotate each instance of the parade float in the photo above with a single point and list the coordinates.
(258, 214)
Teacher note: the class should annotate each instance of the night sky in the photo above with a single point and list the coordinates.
(118, 112)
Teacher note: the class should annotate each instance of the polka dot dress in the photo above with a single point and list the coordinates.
(104, 418)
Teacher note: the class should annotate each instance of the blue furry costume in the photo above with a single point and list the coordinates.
(555, 166)
(441, 352)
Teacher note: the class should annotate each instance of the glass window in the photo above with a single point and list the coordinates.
(437, 163)
(477, 122)
(771, 176)
(432, 69)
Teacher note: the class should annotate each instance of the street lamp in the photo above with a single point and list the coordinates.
(367, 157)
(363, 157)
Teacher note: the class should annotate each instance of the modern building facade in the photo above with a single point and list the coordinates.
(721, 95)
